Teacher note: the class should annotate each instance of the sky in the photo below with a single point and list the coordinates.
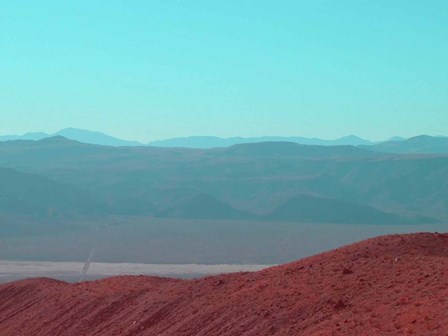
(149, 70)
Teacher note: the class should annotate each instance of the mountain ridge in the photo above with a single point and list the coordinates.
(81, 135)
(255, 178)
(420, 144)
(215, 142)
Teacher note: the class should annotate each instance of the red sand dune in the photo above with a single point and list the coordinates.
(391, 285)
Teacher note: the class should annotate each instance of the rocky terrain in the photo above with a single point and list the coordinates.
(390, 285)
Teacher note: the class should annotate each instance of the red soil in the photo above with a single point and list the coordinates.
(391, 285)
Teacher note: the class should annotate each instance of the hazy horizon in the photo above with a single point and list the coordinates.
(52, 132)
(160, 70)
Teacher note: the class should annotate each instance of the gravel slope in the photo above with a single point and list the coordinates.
(390, 285)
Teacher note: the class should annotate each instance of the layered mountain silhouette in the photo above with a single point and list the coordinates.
(423, 144)
(419, 144)
(90, 137)
(213, 142)
(255, 178)
(61, 196)
(294, 150)
(98, 138)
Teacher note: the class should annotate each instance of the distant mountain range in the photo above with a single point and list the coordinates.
(277, 149)
(95, 138)
(423, 144)
(279, 181)
(418, 144)
(98, 138)
(251, 202)
(214, 142)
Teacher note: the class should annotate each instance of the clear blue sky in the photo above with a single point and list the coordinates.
(149, 70)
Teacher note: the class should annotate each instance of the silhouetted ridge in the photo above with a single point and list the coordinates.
(85, 136)
(422, 144)
(57, 139)
(217, 142)
(96, 138)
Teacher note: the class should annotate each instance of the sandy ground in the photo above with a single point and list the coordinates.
(386, 286)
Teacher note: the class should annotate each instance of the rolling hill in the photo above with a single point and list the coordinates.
(390, 285)
(90, 137)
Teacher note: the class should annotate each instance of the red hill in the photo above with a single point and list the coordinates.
(391, 285)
